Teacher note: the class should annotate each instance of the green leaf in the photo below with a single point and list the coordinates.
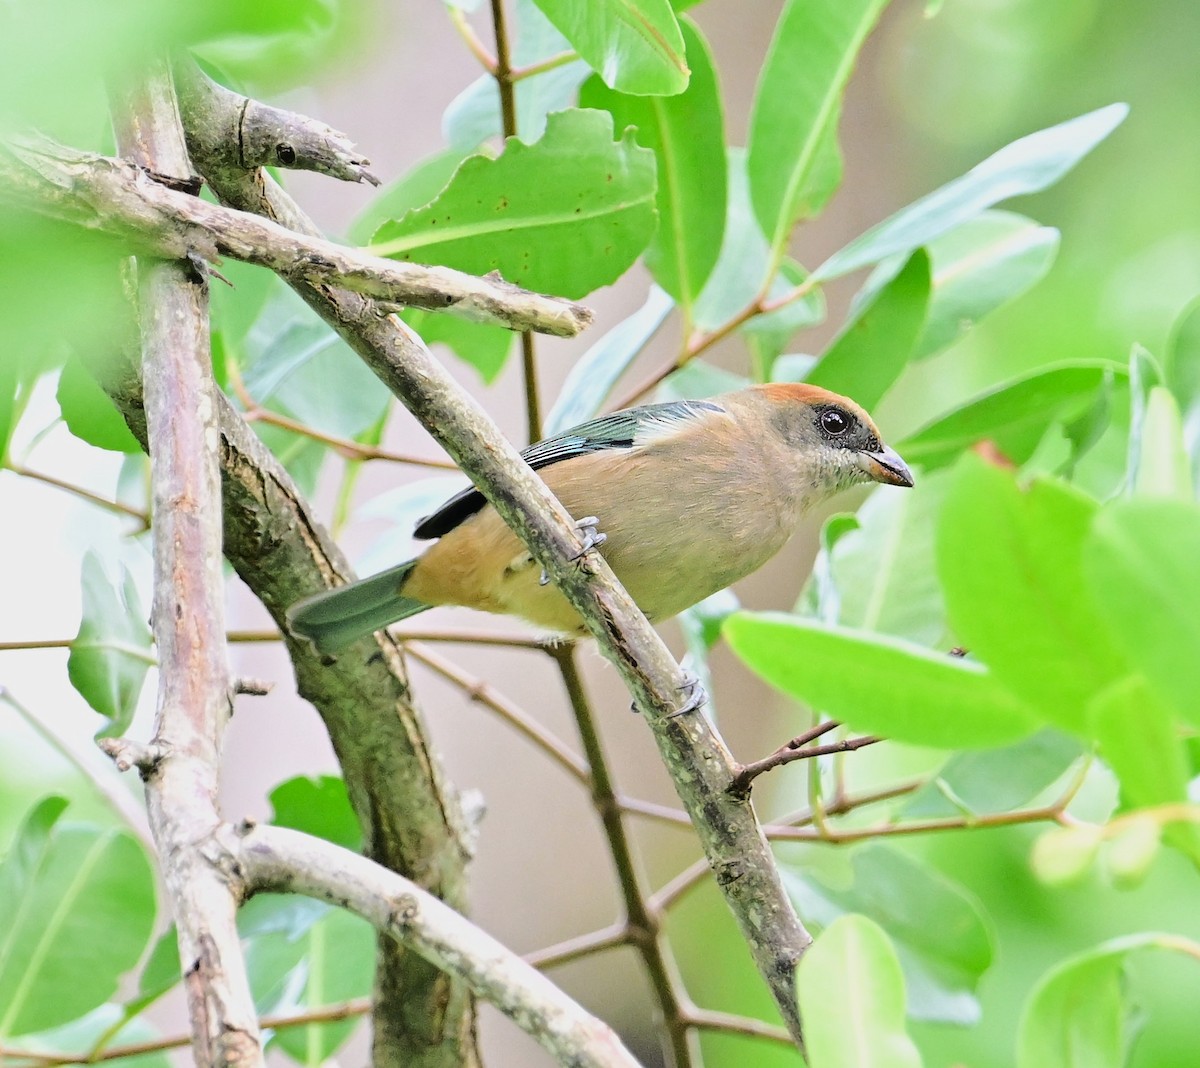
(769, 334)
(319, 807)
(338, 965)
(701, 627)
(696, 378)
(107, 1025)
(883, 569)
(851, 995)
(414, 189)
(591, 380)
(1028, 165)
(981, 266)
(79, 909)
(793, 160)
(634, 45)
(566, 214)
(484, 347)
(1162, 459)
(878, 684)
(942, 937)
(686, 135)
(1014, 414)
(742, 265)
(874, 346)
(1079, 1013)
(1143, 571)
(1010, 561)
(995, 780)
(1065, 855)
(111, 653)
(89, 412)
(1182, 373)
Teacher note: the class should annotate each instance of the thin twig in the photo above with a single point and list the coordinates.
(643, 922)
(467, 32)
(796, 749)
(488, 696)
(530, 70)
(119, 507)
(730, 1023)
(584, 945)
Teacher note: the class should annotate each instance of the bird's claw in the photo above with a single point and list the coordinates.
(593, 538)
(695, 697)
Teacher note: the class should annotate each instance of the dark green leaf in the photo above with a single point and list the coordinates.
(1014, 415)
(1010, 561)
(1142, 567)
(111, 653)
(941, 935)
(77, 916)
(979, 267)
(878, 684)
(566, 214)
(319, 807)
(867, 357)
(89, 412)
(686, 134)
(851, 993)
(793, 161)
(1027, 165)
(591, 379)
(634, 45)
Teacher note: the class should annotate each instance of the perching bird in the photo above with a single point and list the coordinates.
(690, 496)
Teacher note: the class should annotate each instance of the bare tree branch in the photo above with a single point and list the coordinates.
(188, 614)
(118, 196)
(276, 858)
(696, 757)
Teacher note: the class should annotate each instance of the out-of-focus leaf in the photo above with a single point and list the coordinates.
(686, 134)
(851, 993)
(793, 160)
(111, 653)
(941, 935)
(979, 267)
(89, 412)
(821, 597)
(769, 334)
(883, 569)
(1014, 415)
(701, 626)
(1182, 373)
(318, 806)
(1028, 165)
(236, 307)
(995, 780)
(103, 1023)
(1065, 855)
(591, 379)
(1079, 1014)
(871, 351)
(696, 378)
(879, 684)
(1142, 567)
(634, 45)
(1162, 469)
(566, 214)
(483, 346)
(1010, 561)
(1130, 853)
(741, 268)
(79, 908)
(403, 508)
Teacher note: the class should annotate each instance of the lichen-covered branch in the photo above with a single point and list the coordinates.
(118, 196)
(188, 616)
(275, 858)
(696, 757)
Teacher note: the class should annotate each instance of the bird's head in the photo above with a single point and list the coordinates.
(838, 443)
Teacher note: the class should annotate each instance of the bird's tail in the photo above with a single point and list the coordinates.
(334, 618)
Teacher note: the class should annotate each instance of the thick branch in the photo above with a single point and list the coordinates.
(696, 757)
(118, 196)
(275, 858)
(189, 617)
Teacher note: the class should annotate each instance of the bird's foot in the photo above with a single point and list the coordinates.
(694, 696)
(593, 538)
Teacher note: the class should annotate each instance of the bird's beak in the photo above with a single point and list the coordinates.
(885, 465)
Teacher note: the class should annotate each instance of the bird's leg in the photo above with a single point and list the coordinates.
(694, 697)
(593, 538)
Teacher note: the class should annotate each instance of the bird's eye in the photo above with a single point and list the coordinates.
(834, 422)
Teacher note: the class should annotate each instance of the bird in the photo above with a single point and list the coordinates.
(681, 497)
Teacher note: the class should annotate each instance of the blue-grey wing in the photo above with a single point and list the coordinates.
(620, 430)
